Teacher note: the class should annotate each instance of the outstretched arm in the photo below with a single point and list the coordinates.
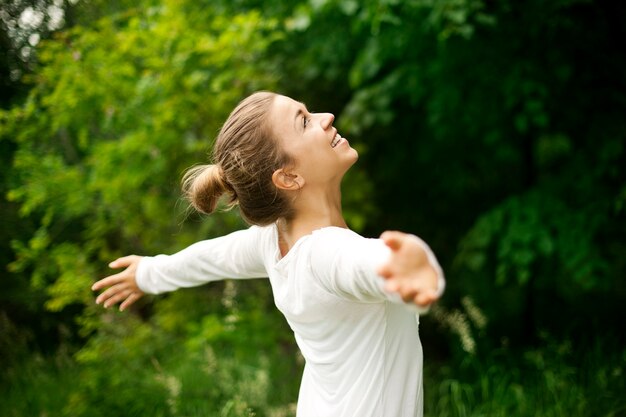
(238, 255)
(122, 287)
(409, 272)
(398, 267)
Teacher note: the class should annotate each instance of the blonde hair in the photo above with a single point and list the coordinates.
(245, 156)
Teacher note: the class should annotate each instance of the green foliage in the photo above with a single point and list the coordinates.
(37, 385)
(117, 110)
(470, 114)
(527, 233)
(492, 129)
(213, 358)
(559, 379)
(117, 113)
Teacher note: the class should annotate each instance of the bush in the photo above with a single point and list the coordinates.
(553, 380)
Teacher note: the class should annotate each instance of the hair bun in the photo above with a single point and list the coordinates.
(203, 185)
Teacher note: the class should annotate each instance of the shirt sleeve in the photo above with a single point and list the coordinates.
(238, 255)
(346, 263)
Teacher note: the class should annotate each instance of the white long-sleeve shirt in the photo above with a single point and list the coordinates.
(363, 355)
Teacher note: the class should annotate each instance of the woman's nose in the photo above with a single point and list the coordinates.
(327, 120)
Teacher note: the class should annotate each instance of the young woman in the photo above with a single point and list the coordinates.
(350, 301)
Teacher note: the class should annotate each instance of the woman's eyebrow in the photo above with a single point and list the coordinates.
(295, 119)
(299, 113)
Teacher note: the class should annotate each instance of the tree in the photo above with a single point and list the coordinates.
(117, 111)
(492, 129)
(469, 118)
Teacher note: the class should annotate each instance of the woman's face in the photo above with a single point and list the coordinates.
(321, 155)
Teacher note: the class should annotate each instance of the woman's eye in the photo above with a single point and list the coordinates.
(305, 122)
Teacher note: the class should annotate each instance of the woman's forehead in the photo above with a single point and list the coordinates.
(285, 111)
(286, 103)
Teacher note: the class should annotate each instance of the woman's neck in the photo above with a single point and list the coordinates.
(313, 211)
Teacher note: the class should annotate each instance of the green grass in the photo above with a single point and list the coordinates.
(38, 386)
(554, 380)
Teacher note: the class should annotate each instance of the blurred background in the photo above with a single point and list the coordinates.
(494, 129)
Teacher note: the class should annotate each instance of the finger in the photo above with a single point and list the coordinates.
(392, 239)
(392, 286)
(426, 298)
(108, 281)
(416, 292)
(385, 271)
(111, 292)
(117, 297)
(123, 261)
(130, 300)
(407, 296)
(404, 291)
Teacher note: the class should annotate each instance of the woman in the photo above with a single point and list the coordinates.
(345, 297)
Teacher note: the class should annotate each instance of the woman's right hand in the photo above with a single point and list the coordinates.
(122, 287)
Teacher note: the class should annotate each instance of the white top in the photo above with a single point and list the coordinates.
(361, 345)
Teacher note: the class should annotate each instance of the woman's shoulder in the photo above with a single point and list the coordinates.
(265, 230)
(264, 235)
(334, 232)
(339, 240)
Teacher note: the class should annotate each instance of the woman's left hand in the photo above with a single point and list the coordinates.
(408, 271)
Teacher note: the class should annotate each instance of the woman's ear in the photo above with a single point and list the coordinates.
(284, 180)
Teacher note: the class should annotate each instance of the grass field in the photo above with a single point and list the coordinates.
(555, 380)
